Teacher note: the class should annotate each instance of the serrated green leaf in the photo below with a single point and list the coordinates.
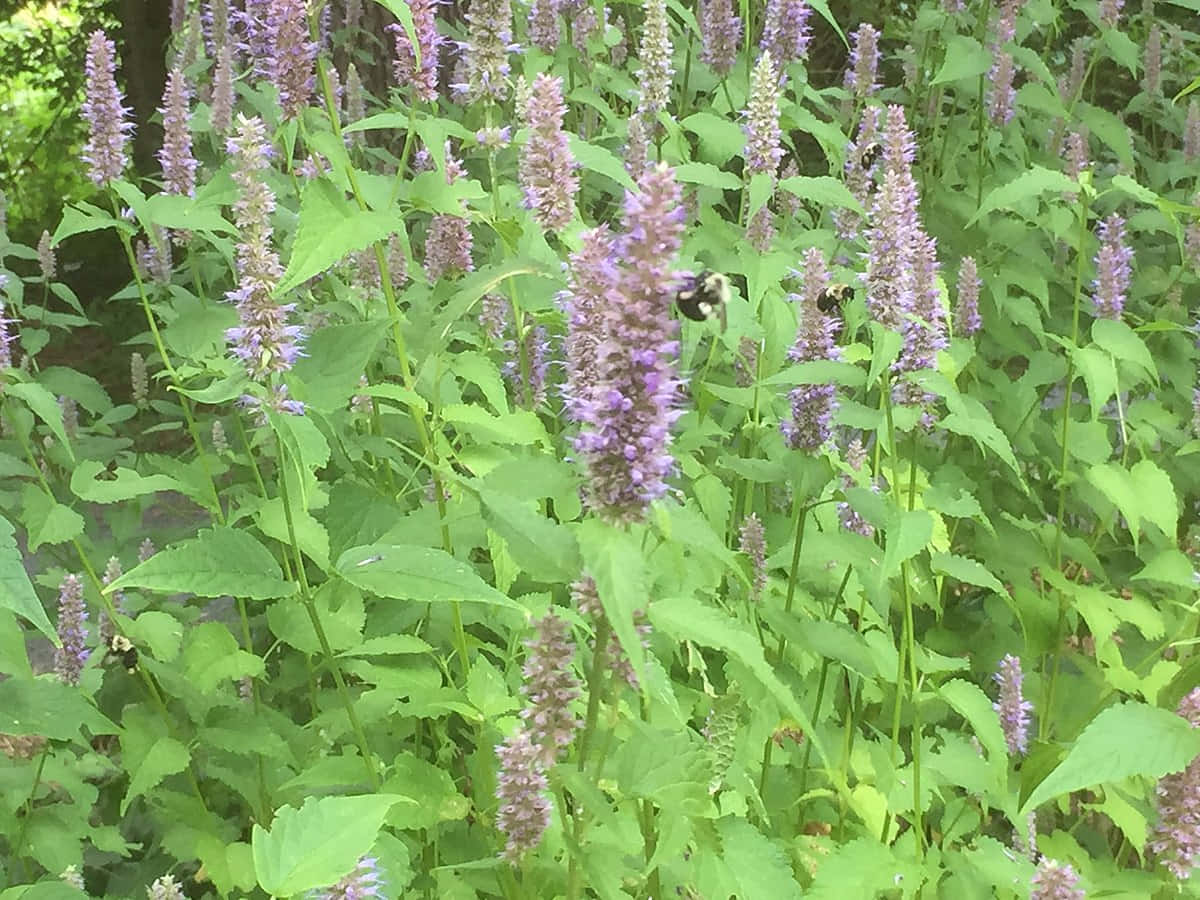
(1131, 739)
(48, 708)
(46, 521)
(165, 756)
(600, 160)
(1027, 186)
(43, 405)
(822, 190)
(613, 560)
(761, 867)
(314, 846)
(1171, 566)
(1118, 486)
(708, 175)
(331, 227)
(1122, 342)
(965, 58)
(970, 702)
(521, 426)
(720, 138)
(1159, 503)
(542, 548)
(337, 357)
(965, 570)
(217, 562)
(408, 572)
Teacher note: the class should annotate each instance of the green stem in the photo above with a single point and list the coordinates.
(315, 618)
(19, 843)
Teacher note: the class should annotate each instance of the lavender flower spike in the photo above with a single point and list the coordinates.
(108, 125)
(46, 261)
(785, 32)
(221, 110)
(485, 53)
(1055, 881)
(627, 429)
(863, 64)
(291, 62)
(721, 34)
(263, 341)
(813, 405)
(1113, 269)
(547, 169)
(178, 164)
(72, 632)
(521, 786)
(752, 540)
(422, 75)
(763, 149)
(1176, 838)
(594, 285)
(1013, 708)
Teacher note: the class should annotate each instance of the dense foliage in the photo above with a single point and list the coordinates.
(429, 550)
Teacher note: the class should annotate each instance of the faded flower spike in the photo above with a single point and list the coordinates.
(1176, 837)
(966, 316)
(46, 261)
(1113, 269)
(1013, 708)
(547, 169)
(521, 787)
(1055, 881)
(656, 72)
(138, 382)
(485, 53)
(72, 631)
(108, 128)
(165, 888)
(752, 540)
(551, 687)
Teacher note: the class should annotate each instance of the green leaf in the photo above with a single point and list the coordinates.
(127, 484)
(965, 58)
(165, 756)
(1099, 374)
(1159, 504)
(1123, 343)
(821, 371)
(542, 548)
(761, 866)
(316, 845)
(599, 159)
(408, 572)
(43, 405)
(708, 175)
(390, 645)
(175, 211)
(337, 357)
(970, 702)
(720, 138)
(759, 191)
(16, 591)
(521, 426)
(965, 570)
(861, 868)
(613, 559)
(1122, 48)
(83, 217)
(330, 227)
(1027, 186)
(160, 632)
(431, 787)
(822, 190)
(211, 656)
(219, 561)
(48, 522)
(1110, 129)
(84, 389)
(1119, 487)
(1132, 739)
(686, 619)
(1123, 182)
(907, 534)
(1172, 567)
(49, 708)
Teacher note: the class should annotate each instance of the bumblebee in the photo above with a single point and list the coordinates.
(704, 296)
(869, 155)
(833, 297)
(122, 648)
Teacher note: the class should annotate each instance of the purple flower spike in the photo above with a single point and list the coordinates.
(543, 25)
(1013, 708)
(721, 35)
(221, 111)
(551, 687)
(263, 341)
(763, 149)
(72, 614)
(966, 316)
(421, 76)
(752, 540)
(863, 63)
(547, 169)
(1000, 111)
(785, 32)
(521, 786)
(813, 405)
(1055, 881)
(1110, 12)
(361, 883)
(107, 118)
(627, 422)
(485, 53)
(1176, 838)
(292, 60)
(1113, 269)
(178, 164)
(594, 285)
(46, 259)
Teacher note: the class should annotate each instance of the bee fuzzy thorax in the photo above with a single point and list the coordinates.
(703, 296)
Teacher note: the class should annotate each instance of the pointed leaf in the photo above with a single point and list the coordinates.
(16, 591)
(409, 572)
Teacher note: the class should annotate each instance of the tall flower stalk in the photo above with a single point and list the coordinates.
(106, 150)
(763, 149)
(630, 407)
(417, 67)
(547, 170)
(813, 405)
